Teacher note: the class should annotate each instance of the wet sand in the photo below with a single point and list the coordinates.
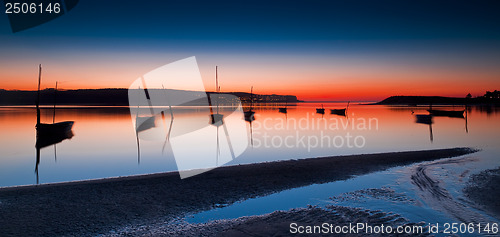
(89, 208)
(279, 223)
(484, 190)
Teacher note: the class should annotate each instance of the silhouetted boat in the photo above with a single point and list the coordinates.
(217, 119)
(447, 113)
(341, 112)
(49, 134)
(47, 129)
(249, 114)
(320, 110)
(283, 110)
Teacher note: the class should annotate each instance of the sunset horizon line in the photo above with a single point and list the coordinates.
(355, 98)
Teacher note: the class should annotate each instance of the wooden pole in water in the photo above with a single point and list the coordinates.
(55, 100)
(38, 95)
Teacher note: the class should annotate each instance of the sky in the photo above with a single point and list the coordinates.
(317, 50)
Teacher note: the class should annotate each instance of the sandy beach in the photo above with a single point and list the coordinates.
(483, 188)
(89, 208)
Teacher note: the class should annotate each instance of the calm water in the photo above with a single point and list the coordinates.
(105, 145)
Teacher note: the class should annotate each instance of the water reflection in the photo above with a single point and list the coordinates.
(49, 134)
(340, 112)
(249, 114)
(428, 118)
(45, 141)
(283, 110)
(250, 120)
(488, 109)
(106, 145)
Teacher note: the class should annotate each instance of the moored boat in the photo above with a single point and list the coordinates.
(447, 113)
(320, 110)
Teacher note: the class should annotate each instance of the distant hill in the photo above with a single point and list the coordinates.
(435, 100)
(108, 97)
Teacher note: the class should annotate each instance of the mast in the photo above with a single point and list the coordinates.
(251, 98)
(38, 95)
(217, 87)
(55, 100)
(216, 80)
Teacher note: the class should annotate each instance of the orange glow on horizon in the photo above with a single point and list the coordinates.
(368, 82)
(313, 92)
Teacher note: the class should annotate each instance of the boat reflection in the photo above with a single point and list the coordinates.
(250, 113)
(284, 110)
(250, 121)
(320, 110)
(428, 120)
(45, 140)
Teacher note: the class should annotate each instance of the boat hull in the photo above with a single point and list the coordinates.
(54, 128)
(447, 113)
(340, 112)
(49, 134)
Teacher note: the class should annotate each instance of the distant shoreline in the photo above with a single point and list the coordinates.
(117, 97)
(436, 100)
(120, 97)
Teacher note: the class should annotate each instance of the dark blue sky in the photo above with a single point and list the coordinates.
(422, 34)
(275, 20)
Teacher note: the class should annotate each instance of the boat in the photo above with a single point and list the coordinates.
(447, 113)
(48, 134)
(284, 110)
(320, 110)
(249, 114)
(216, 119)
(49, 129)
(340, 112)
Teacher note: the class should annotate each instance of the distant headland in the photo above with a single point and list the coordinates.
(111, 97)
(488, 98)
